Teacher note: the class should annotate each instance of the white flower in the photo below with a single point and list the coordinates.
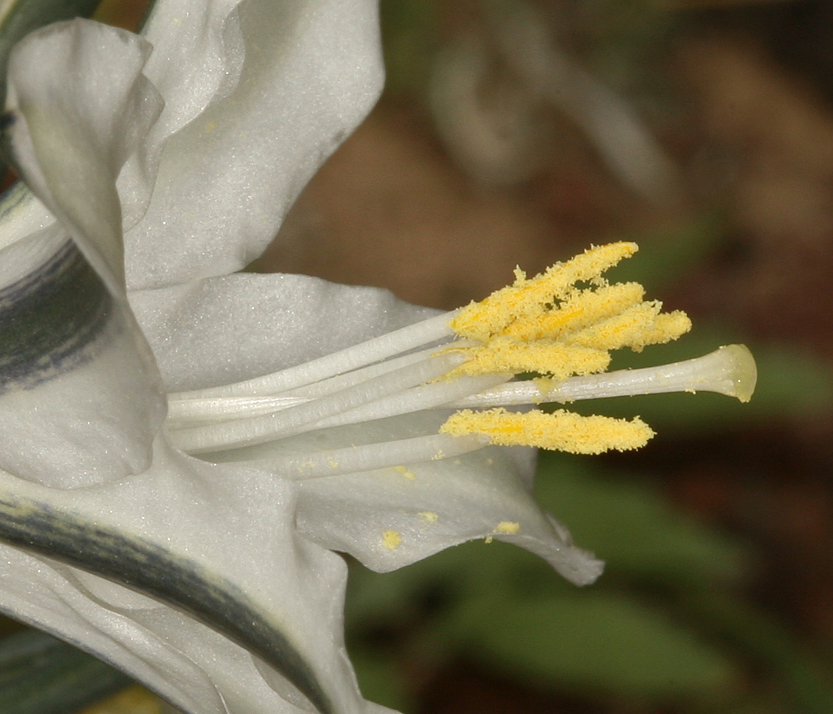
(304, 417)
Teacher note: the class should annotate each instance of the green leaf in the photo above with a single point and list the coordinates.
(808, 683)
(381, 680)
(667, 255)
(603, 644)
(630, 525)
(42, 675)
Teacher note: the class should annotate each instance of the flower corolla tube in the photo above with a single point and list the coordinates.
(184, 447)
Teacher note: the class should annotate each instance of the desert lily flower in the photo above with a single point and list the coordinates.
(183, 447)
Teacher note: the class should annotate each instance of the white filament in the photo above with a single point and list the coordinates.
(369, 457)
(185, 411)
(374, 350)
(294, 420)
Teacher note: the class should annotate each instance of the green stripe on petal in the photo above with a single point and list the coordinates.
(175, 580)
(190, 578)
(81, 398)
(80, 395)
(50, 319)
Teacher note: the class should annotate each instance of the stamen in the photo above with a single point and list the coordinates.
(492, 316)
(561, 430)
(374, 350)
(636, 327)
(560, 325)
(185, 410)
(370, 457)
(427, 396)
(247, 432)
(578, 311)
(545, 357)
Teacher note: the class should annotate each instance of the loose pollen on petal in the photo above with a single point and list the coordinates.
(507, 527)
(391, 539)
(405, 471)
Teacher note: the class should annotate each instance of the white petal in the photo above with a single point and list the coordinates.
(79, 106)
(215, 531)
(222, 330)
(392, 517)
(268, 93)
(196, 59)
(81, 397)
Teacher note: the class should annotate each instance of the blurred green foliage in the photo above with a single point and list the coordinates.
(410, 31)
(42, 675)
(666, 624)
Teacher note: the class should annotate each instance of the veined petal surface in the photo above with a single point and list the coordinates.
(269, 89)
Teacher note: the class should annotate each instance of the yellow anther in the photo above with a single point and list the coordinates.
(554, 359)
(561, 430)
(635, 327)
(560, 324)
(492, 316)
(581, 309)
(667, 327)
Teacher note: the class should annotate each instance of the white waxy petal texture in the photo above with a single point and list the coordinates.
(391, 517)
(236, 327)
(73, 130)
(266, 97)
